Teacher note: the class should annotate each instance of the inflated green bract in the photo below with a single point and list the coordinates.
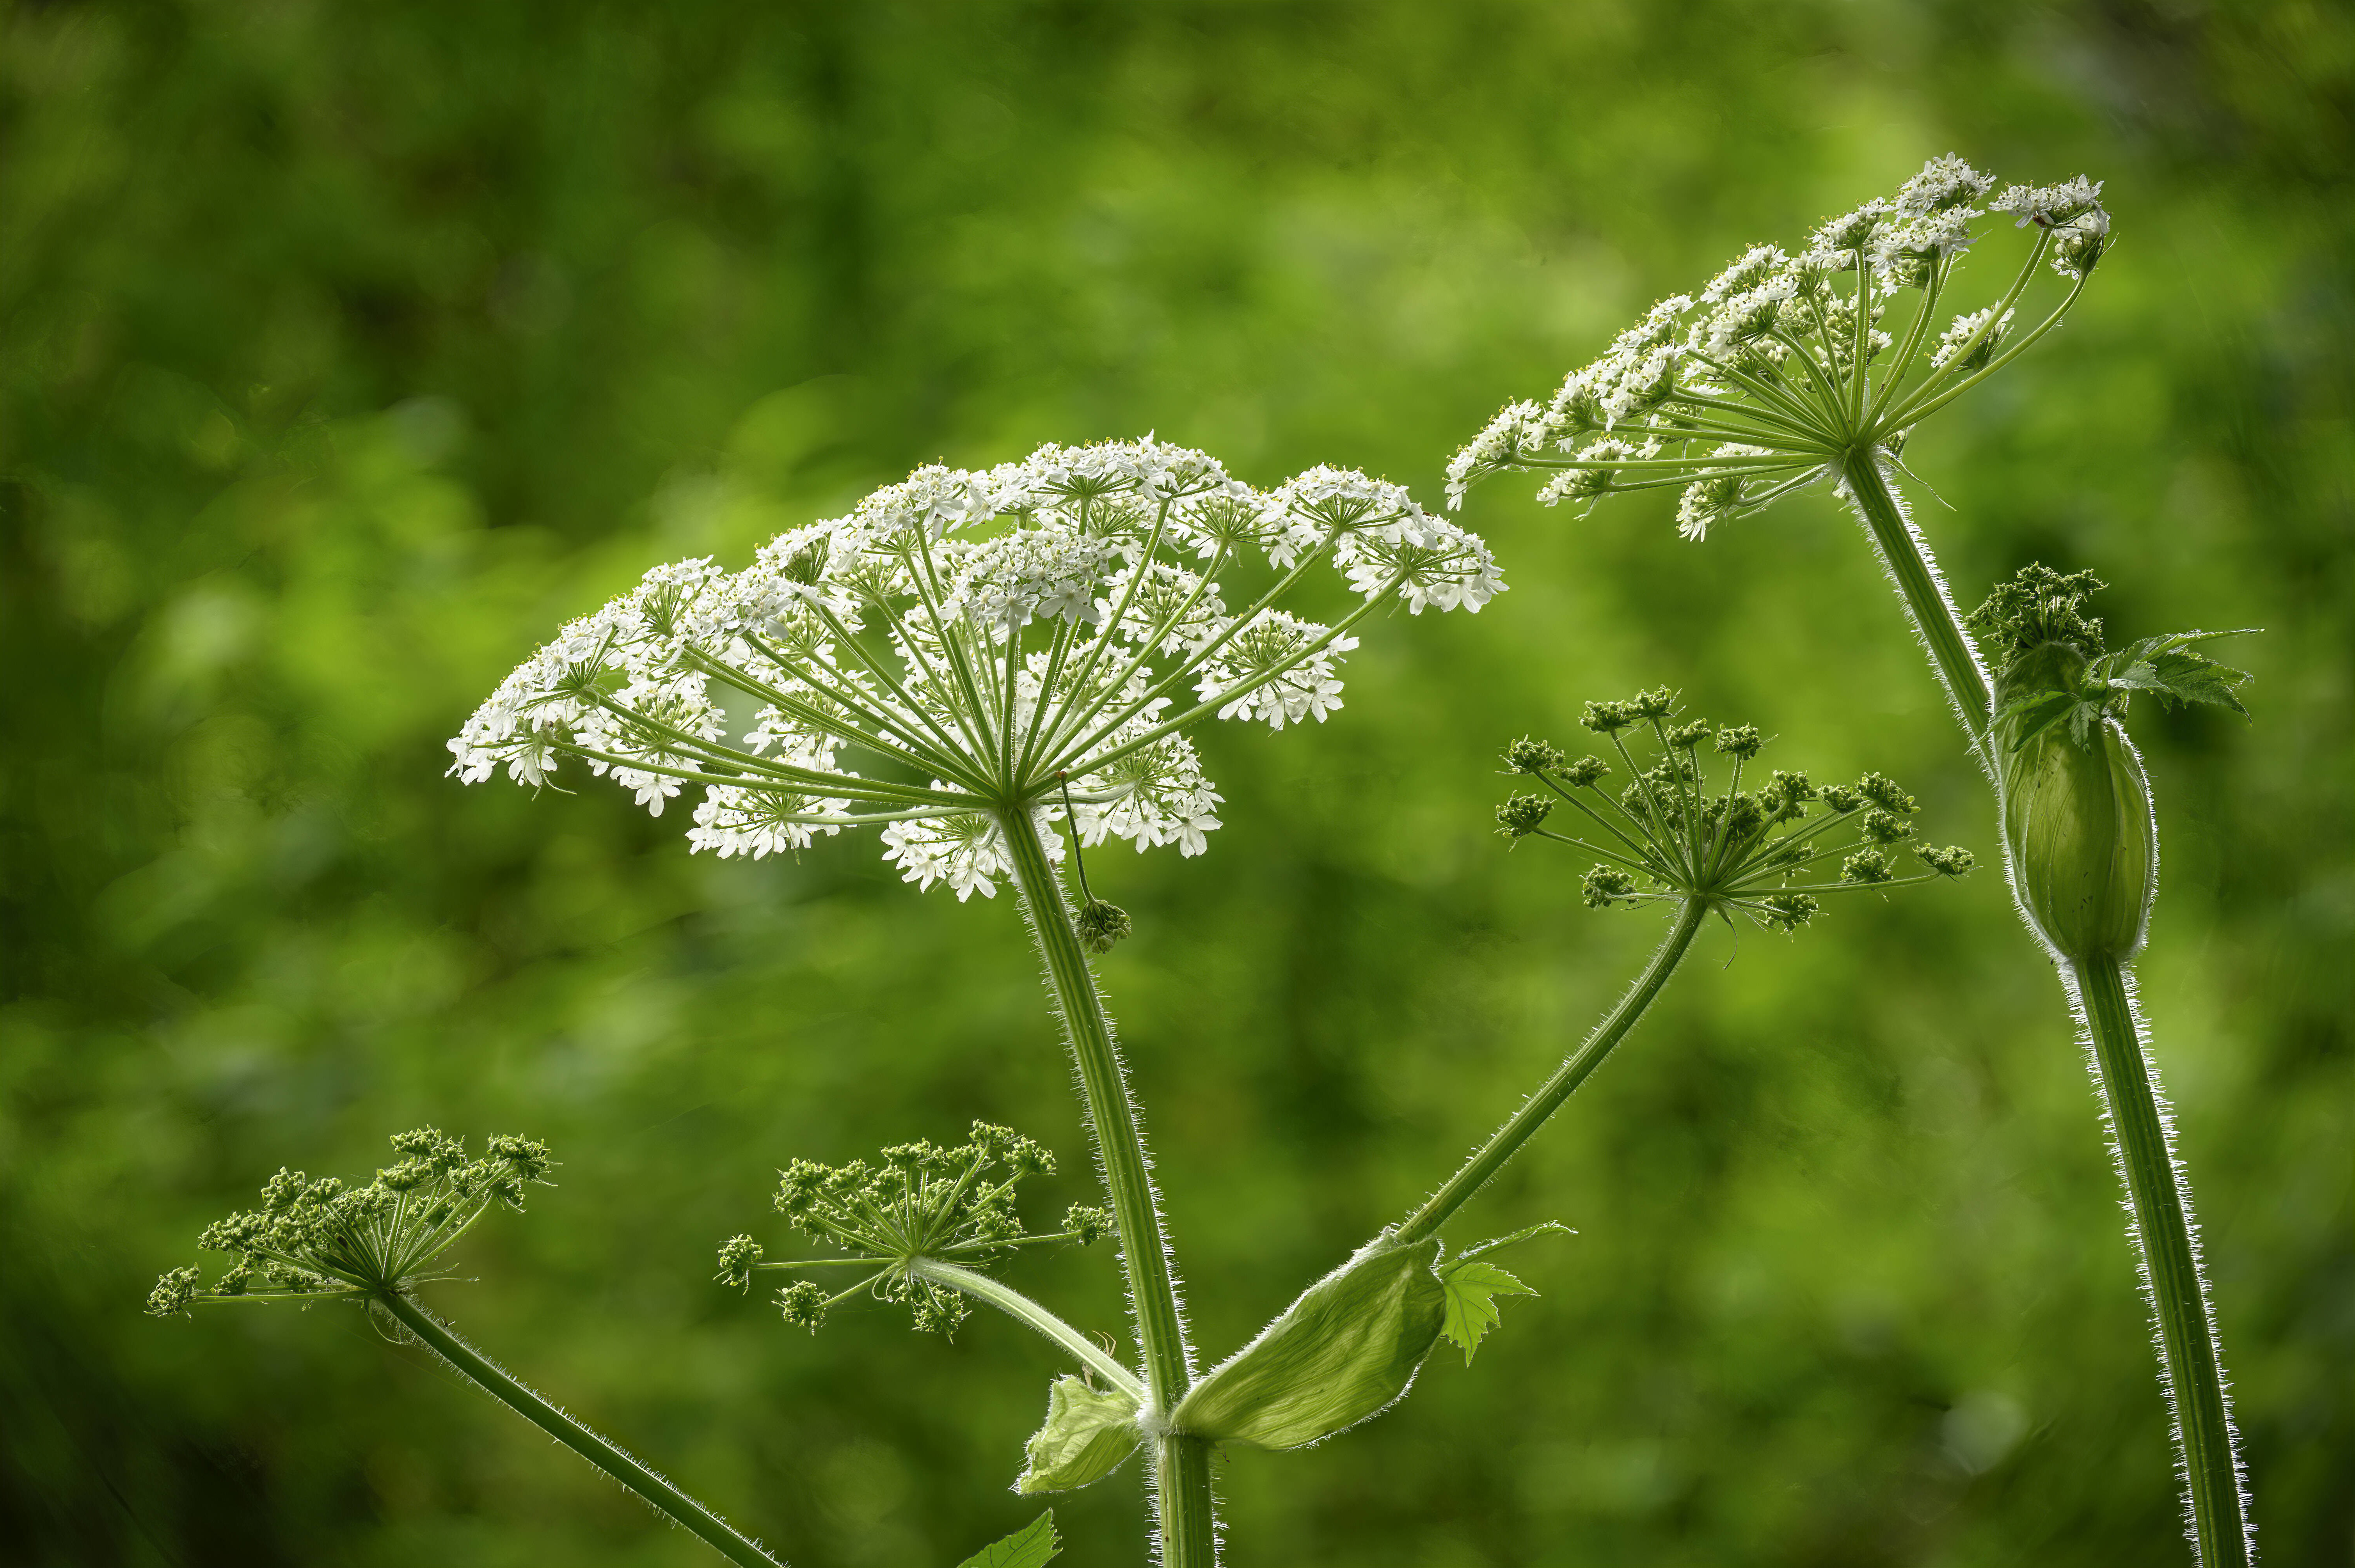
(1348, 1347)
(1089, 1432)
(2078, 818)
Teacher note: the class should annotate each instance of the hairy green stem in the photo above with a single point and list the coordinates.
(2206, 1454)
(1906, 558)
(1616, 1025)
(529, 1402)
(2191, 1360)
(1182, 1502)
(1188, 1536)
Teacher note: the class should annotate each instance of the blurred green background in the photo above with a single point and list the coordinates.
(349, 348)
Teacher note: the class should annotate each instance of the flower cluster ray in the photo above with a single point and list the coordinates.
(917, 1200)
(1765, 852)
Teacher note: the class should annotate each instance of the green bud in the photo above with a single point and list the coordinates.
(1886, 827)
(1523, 815)
(173, 1292)
(804, 1303)
(1841, 799)
(2077, 815)
(1102, 925)
(799, 1188)
(1685, 737)
(1740, 740)
(737, 1256)
(1608, 718)
(1606, 885)
(1884, 793)
(939, 1312)
(1089, 1433)
(1657, 703)
(1583, 773)
(1089, 1226)
(1528, 756)
(1342, 1352)
(1951, 862)
(1789, 911)
(1865, 866)
(528, 1156)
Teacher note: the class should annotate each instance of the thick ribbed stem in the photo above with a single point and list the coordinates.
(527, 1402)
(1616, 1025)
(1905, 557)
(1188, 1535)
(1182, 1479)
(2206, 1451)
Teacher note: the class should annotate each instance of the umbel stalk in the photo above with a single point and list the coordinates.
(2207, 1446)
(529, 1402)
(1616, 1025)
(1905, 557)
(1181, 1465)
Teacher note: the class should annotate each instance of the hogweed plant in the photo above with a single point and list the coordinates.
(979, 664)
(1791, 369)
(1013, 658)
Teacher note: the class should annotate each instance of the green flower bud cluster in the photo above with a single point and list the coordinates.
(315, 1238)
(2076, 807)
(916, 1200)
(1102, 925)
(1670, 834)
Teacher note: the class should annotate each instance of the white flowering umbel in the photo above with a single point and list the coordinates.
(965, 661)
(1782, 367)
(1791, 368)
(967, 644)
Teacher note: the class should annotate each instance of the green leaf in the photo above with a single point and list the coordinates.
(2189, 678)
(2165, 667)
(1472, 1289)
(1349, 1346)
(1089, 1432)
(1543, 1227)
(1032, 1546)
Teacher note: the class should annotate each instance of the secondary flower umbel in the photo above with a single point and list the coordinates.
(918, 1203)
(979, 642)
(1766, 382)
(1765, 851)
(313, 1240)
